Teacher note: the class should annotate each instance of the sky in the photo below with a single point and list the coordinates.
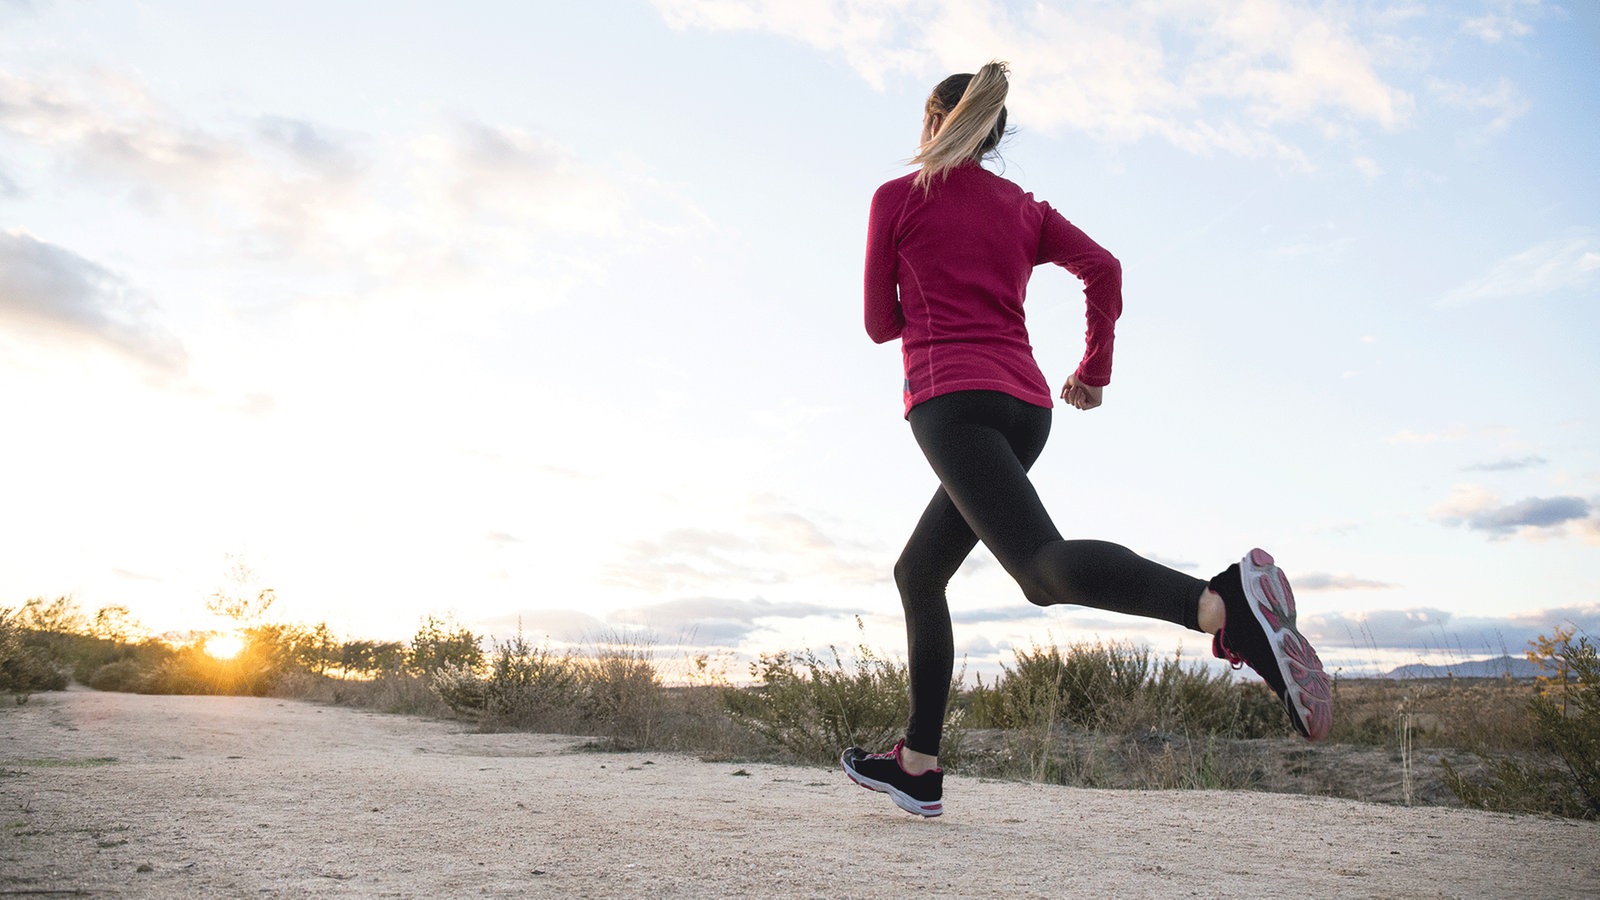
(548, 316)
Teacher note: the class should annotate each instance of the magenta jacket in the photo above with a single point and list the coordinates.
(947, 273)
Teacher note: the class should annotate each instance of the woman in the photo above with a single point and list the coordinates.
(950, 249)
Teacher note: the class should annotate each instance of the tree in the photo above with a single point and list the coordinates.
(439, 643)
(240, 599)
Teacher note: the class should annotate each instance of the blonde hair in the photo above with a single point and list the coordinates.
(974, 111)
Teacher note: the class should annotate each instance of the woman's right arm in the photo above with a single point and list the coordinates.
(884, 318)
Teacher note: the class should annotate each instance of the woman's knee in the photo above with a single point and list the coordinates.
(916, 579)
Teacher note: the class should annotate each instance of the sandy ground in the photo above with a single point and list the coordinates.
(229, 796)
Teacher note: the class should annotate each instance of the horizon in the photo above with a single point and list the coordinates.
(553, 316)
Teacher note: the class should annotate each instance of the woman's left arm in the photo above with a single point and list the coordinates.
(1066, 245)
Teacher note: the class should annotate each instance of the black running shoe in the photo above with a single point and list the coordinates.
(918, 794)
(1260, 632)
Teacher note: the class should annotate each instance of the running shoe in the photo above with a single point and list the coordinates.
(917, 794)
(1260, 633)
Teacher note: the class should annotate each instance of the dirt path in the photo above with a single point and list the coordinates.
(228, 796)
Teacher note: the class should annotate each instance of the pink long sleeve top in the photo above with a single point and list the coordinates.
(947, 273)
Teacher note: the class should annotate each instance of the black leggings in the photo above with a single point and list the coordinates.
(981, 445)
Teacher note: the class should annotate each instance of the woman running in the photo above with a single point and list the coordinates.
(950, 249)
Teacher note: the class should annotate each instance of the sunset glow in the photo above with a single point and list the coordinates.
(224, 646)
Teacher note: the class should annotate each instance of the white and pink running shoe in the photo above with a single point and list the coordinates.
(1260, 633)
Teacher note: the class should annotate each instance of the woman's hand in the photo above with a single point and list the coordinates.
(1081, 395)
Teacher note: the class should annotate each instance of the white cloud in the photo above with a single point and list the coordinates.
(1206, 75)
(1407, 436)
(767, 547)
(515, 180)
(1425, 628)
(1559, 265)
(1509, 464)
(1480, 509)
(1326, 581)
(1504, 19)
(54, 291)
(716, 622)
(471, 206)
(1502, 100)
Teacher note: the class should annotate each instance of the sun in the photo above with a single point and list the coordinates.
(224, 646)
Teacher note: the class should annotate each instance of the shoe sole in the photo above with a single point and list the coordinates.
(901, 799)
(1308, 693)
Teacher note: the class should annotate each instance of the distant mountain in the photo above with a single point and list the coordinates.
(1499, 667)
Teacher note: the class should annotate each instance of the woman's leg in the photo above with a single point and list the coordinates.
(938, 545)
(981, 444)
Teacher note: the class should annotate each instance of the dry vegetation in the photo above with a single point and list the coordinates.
(1101, 715)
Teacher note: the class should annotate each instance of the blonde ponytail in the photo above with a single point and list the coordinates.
(973, 124)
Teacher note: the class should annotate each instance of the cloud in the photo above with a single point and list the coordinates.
(310, 146)
(692, 557)
(770, 547)
(1502, 99)
(49, 289)
(716, 622)
(1182, 565)
(562, 626)
(1429, 629)
(1323, 581)
(1021, 611)
(1479, 509)
(1509, 465)
(1207, 76)
(1561, 265)
(470, 207)
(512, 178)
(1505, 19)
(1411, 437)
(274, 188)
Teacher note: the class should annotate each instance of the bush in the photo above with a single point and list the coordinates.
(1088, 685)
(1564, 778)
(813, 708)
(621, 694)
(24, 666)
(1197, 701)
(1112, 687)
(523, 687)
(615, 693)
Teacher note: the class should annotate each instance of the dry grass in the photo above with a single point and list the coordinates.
(1097, 715)
(1433, 713)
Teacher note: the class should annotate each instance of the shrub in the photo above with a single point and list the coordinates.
(614, 693)
(813, 707)
(524, 687)
(461, 689)
(24, 667)
(1564, 778)
(1112, 687)
(1197, 701)
(621, 693)
(1086, 686)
